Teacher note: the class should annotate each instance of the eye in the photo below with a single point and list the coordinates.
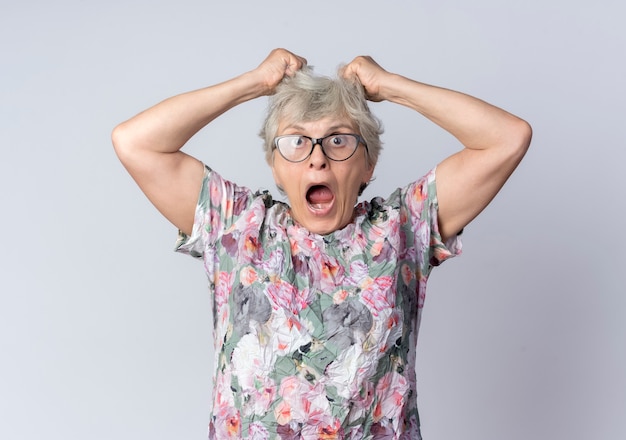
(296, 141)
(338, 140)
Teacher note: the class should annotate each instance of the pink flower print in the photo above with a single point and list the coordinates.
(421, 293)
(223, 287)
(323, 431)
(272, 265)
(216, 223)
(230, 241)
(228, 424)
(247, 276)
(393, 229)
(250, 246)
(281, 294)
(420, 192)
(240, 202)
(391, 392)
(440, 252)
(383, 431)
(284, 295)
(256, 431)
(385, 253)
(331, 275)
(353, 245)
(378, 294)
(253, 218)
(300, 243)
(359, 271)
(292, 407)
(315, 404)
(282, 413)
(263, 396)
(331, 431)
(227, 207)
(422, 240)
(381, 248)
(301, 266)
(404, 216)
(354, 433)
(376, 248)
(394, 329)
(302, 402)
(222, 391)
(340, 296)
(246, 236)
(287, 432)
(406, 272)
(376, 233)
(216, 188)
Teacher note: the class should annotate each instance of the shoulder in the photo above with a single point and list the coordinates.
(415, 194)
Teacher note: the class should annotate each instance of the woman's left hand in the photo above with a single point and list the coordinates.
(495, 141)
(370, 74)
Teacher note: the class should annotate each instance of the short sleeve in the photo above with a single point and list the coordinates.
(219, 202)
(423, 206)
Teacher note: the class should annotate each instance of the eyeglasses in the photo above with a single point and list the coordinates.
(337, 147)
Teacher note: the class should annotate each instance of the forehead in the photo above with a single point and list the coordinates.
(318, 127)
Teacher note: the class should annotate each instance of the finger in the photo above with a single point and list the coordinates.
(348, 71)
(294, 64)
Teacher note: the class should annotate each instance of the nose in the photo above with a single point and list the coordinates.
(318, 158)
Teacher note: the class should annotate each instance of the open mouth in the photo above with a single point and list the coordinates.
(319, 197)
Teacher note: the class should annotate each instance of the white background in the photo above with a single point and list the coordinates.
(106, 334)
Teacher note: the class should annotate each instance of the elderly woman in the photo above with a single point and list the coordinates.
(317, 301)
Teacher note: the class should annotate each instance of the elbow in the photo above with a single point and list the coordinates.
(117, 137)
(524, 136)
(519, 138)
(121, 142)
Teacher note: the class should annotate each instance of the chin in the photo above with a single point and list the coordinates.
(325, 227)
(320, 230)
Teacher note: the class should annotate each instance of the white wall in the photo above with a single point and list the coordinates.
(106, 334)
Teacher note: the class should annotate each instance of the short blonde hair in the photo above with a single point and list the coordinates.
(308, 97)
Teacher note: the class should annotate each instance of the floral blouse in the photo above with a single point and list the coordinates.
(315, 335)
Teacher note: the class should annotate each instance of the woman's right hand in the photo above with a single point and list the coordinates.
(149, 143)
(278, 64)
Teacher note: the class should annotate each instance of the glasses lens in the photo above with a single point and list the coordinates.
(340, 146)
(294, 148)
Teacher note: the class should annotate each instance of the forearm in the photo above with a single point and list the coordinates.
(167, 126)
(477, 124)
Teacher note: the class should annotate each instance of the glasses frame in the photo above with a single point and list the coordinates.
(316, 141)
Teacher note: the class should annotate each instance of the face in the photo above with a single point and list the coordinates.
(322, 193)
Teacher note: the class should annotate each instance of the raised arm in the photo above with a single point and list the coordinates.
(495, 141)
(149, 144)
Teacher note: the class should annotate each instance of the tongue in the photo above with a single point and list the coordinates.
(319, 194)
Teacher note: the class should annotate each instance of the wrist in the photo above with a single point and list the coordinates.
(394, 88)
(247, 86)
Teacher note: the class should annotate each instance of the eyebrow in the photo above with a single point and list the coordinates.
(330, 129)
